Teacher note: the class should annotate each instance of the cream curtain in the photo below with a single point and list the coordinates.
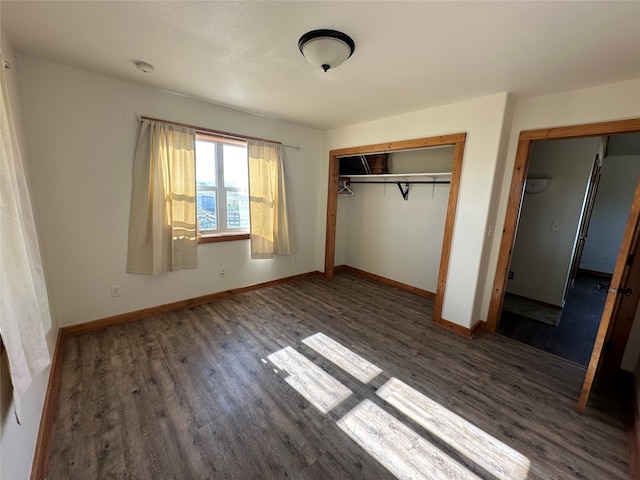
(162, 222)
(24, 306)
(271, 229)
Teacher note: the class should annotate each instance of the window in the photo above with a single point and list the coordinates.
(222, 188)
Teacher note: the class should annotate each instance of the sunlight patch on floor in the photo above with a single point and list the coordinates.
(398, 448)
(350, 362)
(319, 388)
(498, 459)
(401, 450)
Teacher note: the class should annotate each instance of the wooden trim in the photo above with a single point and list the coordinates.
(457, 140)
(587, 130)
(332, 214)
(388, 281)
(612, 304)
(516, 190)
(43, 443)
(339, 268)
(447, 239)
(454, 327)
(459, 329)
(121, 319)
(624, 314)
(41, 455)
(401, 145)
(232, 237)
(508, 234)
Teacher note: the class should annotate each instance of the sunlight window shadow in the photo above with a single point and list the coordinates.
(498, 459)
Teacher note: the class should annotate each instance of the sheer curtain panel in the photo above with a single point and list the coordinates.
(271, 229)
(24, 305)
(162, 222)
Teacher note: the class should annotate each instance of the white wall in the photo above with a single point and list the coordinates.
(18, 441)
(542, 256)
(483, 120)
(431, 160)
(82, 130)
(385, 233)
(616, 101)
(620, 176)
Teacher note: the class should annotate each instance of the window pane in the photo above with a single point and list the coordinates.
(207, 217)
(237, 209)
(205, 163)
(236, 171)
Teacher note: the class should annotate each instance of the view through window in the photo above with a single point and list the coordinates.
(222, 185)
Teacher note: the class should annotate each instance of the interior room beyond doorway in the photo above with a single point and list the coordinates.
(549, 235)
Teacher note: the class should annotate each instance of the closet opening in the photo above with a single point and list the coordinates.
(396, 184)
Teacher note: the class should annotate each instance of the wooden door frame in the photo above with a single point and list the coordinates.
(624, 311)
(516, 194)
(610, 320)
(456, 140)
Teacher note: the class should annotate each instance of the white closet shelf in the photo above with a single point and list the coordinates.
(400, 175)
(398, 179)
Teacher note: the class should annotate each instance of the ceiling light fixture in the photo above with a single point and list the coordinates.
(326, 48)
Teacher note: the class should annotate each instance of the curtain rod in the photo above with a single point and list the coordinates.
(218, 132)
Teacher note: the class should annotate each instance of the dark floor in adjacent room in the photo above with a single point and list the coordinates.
(574, 336)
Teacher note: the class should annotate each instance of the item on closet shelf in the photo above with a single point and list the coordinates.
(343, 188)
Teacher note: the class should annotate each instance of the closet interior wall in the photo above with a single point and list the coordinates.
(380, 232)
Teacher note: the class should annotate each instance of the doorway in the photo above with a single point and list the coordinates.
(511, 224)
(562, 261)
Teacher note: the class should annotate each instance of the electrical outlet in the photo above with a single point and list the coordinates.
(222, 272)
(510, 276)
(115, 290)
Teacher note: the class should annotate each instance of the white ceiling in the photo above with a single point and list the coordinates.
(409, 55)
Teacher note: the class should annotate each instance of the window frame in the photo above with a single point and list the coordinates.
(220, 234)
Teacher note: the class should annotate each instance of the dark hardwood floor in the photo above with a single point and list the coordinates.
(574, 336)
(191, 394)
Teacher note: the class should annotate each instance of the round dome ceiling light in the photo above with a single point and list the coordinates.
(326, 48)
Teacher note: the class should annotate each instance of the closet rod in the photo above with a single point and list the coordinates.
(218, 132)
(433, 182)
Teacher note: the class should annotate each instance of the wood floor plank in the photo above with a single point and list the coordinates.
(190, 394)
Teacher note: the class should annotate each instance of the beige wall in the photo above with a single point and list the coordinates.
(82, 132)
(483, 120)
(620, 176)
(616, 101)
(493, 125)
(541, 255)
(384, 234)
(18, 441)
